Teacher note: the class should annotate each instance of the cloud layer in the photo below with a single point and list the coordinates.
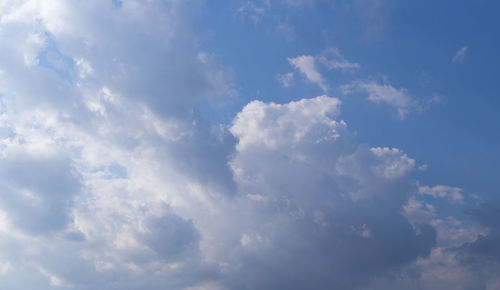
(111, 178)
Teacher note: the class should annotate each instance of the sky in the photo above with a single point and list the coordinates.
(249, 144)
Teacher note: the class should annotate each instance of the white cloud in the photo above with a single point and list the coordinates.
(460, 55)
(110, 179)
(306, 64)
(253, 10)
(454, 194)
(270, 125)
(84, 162)
(396, 163)
(332, 59)
(398, 98)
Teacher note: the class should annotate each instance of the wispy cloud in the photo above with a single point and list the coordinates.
(286, 80)
(332, 59)
(399, 98)
(460, 55)
(253, 10)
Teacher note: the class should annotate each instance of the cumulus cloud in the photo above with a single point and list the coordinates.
(111, 179)
(336, 196)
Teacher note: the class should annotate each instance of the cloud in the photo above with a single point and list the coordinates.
(332, 59)
(85, 145)
(337, 195)
(485, 248)
(254, 11)
(460, 55)
(465, 257)
(454, 194)
(397, 98)
(306, 64)
(286, 80)
(111, 179)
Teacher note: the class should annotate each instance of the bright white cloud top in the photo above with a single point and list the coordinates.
(111, 177)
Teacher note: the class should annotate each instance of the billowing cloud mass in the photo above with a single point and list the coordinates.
(111, 178)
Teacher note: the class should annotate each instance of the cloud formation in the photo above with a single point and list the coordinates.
(331, 59)
(460, 55)
(400, 98)
(286, 80)
(111, 178)
(306, 64)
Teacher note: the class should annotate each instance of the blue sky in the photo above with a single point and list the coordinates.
(249, 144)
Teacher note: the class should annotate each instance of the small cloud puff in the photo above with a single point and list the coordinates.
(460, 55)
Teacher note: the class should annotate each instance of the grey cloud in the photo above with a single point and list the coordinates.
(38, 193)
(170, 236)
(328, 209)
(136, 190)
(486, 248)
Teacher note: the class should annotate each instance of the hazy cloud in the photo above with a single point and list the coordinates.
(110, 178)
(286, 80)
(460, 55)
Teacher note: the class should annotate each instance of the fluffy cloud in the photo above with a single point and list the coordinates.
(312, 187)
(111, 179)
